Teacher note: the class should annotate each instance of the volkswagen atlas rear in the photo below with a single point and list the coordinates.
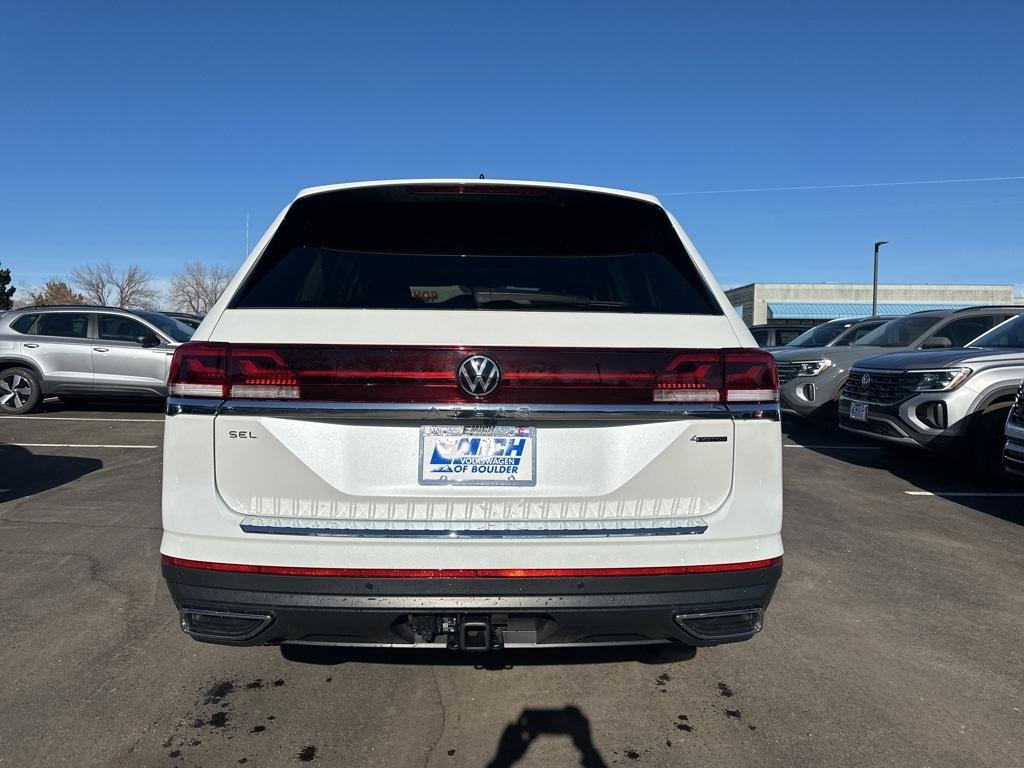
(472, 415)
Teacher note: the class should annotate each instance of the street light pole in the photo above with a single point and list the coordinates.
(874, 284)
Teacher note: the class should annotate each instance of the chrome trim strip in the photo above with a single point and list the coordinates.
(444, 646)
(193, 405)
(471, 534)
(464, 411)
(763, 411)
(420, 412)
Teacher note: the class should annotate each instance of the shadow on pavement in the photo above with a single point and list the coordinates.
(532, 723)
(26, 473)
(492, 660)
(946, 476)
(116, 405)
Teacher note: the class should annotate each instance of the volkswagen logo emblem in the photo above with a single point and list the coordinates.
(865, 380)
(478, 375)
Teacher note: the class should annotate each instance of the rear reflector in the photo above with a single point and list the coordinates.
(466, 573)
(366, 374)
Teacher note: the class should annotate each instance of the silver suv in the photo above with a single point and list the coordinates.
(944, 400)
(811, 378)
(78, 352)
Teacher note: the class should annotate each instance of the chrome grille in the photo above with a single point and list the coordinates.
(882, 388)
(1018, 408)
(787, 371)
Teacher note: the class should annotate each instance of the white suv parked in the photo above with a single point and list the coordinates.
(472, 414)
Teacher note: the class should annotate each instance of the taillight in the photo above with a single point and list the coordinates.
(692, 377)
(260, 373)
(199, 369)
(730, 376)
(369, 374)
(750, 376)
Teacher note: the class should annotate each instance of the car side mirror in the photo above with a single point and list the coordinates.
(937, 342)
(148, 340)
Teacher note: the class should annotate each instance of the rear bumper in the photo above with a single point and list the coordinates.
(472, 613)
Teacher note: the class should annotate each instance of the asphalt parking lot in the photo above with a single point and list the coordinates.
(894, 638)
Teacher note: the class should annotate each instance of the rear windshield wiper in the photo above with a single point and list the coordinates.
(490, 295)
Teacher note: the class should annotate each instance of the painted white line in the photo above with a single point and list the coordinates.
(78, 418)
(75, 445)
(834, 447)
(997, 494)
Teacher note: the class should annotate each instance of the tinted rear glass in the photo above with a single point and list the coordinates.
(64, 324)
(24, 323)
(820, 336)
(546, 250)
(1010, 335)
(901, 332)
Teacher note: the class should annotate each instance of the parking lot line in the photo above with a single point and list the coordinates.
(998, 494)
(77, 418)
(76, 445)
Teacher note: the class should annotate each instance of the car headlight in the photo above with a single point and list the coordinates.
(812, 367)
(942, 380)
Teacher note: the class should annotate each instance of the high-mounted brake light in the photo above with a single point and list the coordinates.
(375, 374)
(477, 189)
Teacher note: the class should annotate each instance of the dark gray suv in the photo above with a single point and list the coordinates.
(810, 379)
(79, 352)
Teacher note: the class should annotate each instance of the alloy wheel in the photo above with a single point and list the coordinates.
(15, 391)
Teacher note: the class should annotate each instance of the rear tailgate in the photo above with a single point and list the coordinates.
(606, 454)
(345, 335)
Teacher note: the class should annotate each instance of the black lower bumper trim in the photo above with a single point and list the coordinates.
(507, 612)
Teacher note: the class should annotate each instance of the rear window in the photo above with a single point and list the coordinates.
(820, 336)
(64, 324)
(901, 332)
(24, 323)
(437, 248)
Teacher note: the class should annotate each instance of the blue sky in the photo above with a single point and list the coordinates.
(144, 133)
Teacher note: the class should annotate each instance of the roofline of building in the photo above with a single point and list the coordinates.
(1010, 286)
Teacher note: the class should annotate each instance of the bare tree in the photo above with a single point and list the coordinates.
(56, 291)
(103, 284)
(197, 287)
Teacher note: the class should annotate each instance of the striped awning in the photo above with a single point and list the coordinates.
(827, 310)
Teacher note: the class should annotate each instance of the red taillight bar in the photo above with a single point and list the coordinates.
(466, 573)
(530, 375)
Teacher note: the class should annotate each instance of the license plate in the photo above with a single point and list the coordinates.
(859, 411)
(478, 455)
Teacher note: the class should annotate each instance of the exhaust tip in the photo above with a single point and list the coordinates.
(223, 625)
(718, 626)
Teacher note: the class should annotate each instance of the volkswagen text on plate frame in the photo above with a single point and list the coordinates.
(486, 414)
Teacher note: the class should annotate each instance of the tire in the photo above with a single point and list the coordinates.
(987, 440)
(20, 391)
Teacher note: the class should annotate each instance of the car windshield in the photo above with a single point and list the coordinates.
(821, 336)
(901, 332)
(1009, 335)
(176, 330)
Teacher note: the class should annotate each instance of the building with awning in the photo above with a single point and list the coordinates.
(800, 303)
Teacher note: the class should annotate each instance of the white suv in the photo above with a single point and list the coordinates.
(472, 414)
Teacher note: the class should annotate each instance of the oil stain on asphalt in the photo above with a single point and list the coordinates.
(222, 697)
